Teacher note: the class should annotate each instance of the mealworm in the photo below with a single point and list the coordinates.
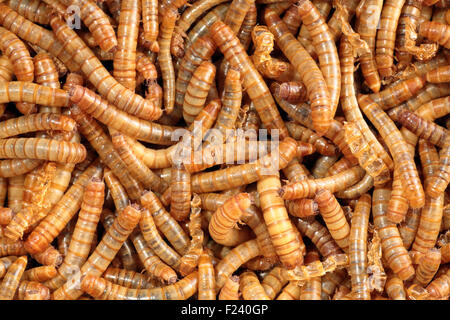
(145, 66)
(5, 263)
(427, 266)
(293, 92)
(155, 242)
(197, 90)
(373, 165)
(309, 72)
(105, 251)
(394, 287)
(439, 288)
(150, 23)
(304, 37)
(97, 22)
(398, 149)
(398, 204)
(322, 165)
(102, 289)
(107, 86)
(83, 234)
(247, 26)
(23, 66)
(302, 208)
(368, 16)
(385, 42)
(393, 250)
(45, 74)
(330, 281)
(231, 102)
(206, 278)
(137, 168)
(11, 279)
(103, 145)
(358, 248)
(424, 129)
(256, 88)
(273, 282)
(35, 34)
(334, 217)
(152, 263)
(435, 31)
(250, 287)
(292, 19)
(8, 248)
(201, 50)
(17, 91)
(339, 166)
(61, 213)
(428, 93)
(124, 64)
(226, 217)
(244, 173)
(319, 235)
(312, 289)
(307, 188)
(230, 290)
(127, 278)
(40, 274)
(36, 122)
(95, 106)
(33, 10)
(324, 47)
(49, 257)
(409, 227)
(234, 259)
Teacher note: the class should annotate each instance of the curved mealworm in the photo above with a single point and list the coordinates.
(33, 10)
(394, 287)
(102, 289)
(308, 70)
(49, 257)
(152, 263)
(248, 173)
(290, 292)
(427, 266)
(396, 255)
(5, 263)
(83, 234)
(398, 149)
(11, 279)
(256, 88)
(234, 259)
(197, 90)
(324, 47)
(16, 167)
(307, 188)
(440, 287)
(97, 22)
(6, 75)
(105, 251)
(137, 168)
(124, 63)
(385, 42)
(94, 71)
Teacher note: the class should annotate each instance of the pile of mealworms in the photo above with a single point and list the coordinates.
(224, 149)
